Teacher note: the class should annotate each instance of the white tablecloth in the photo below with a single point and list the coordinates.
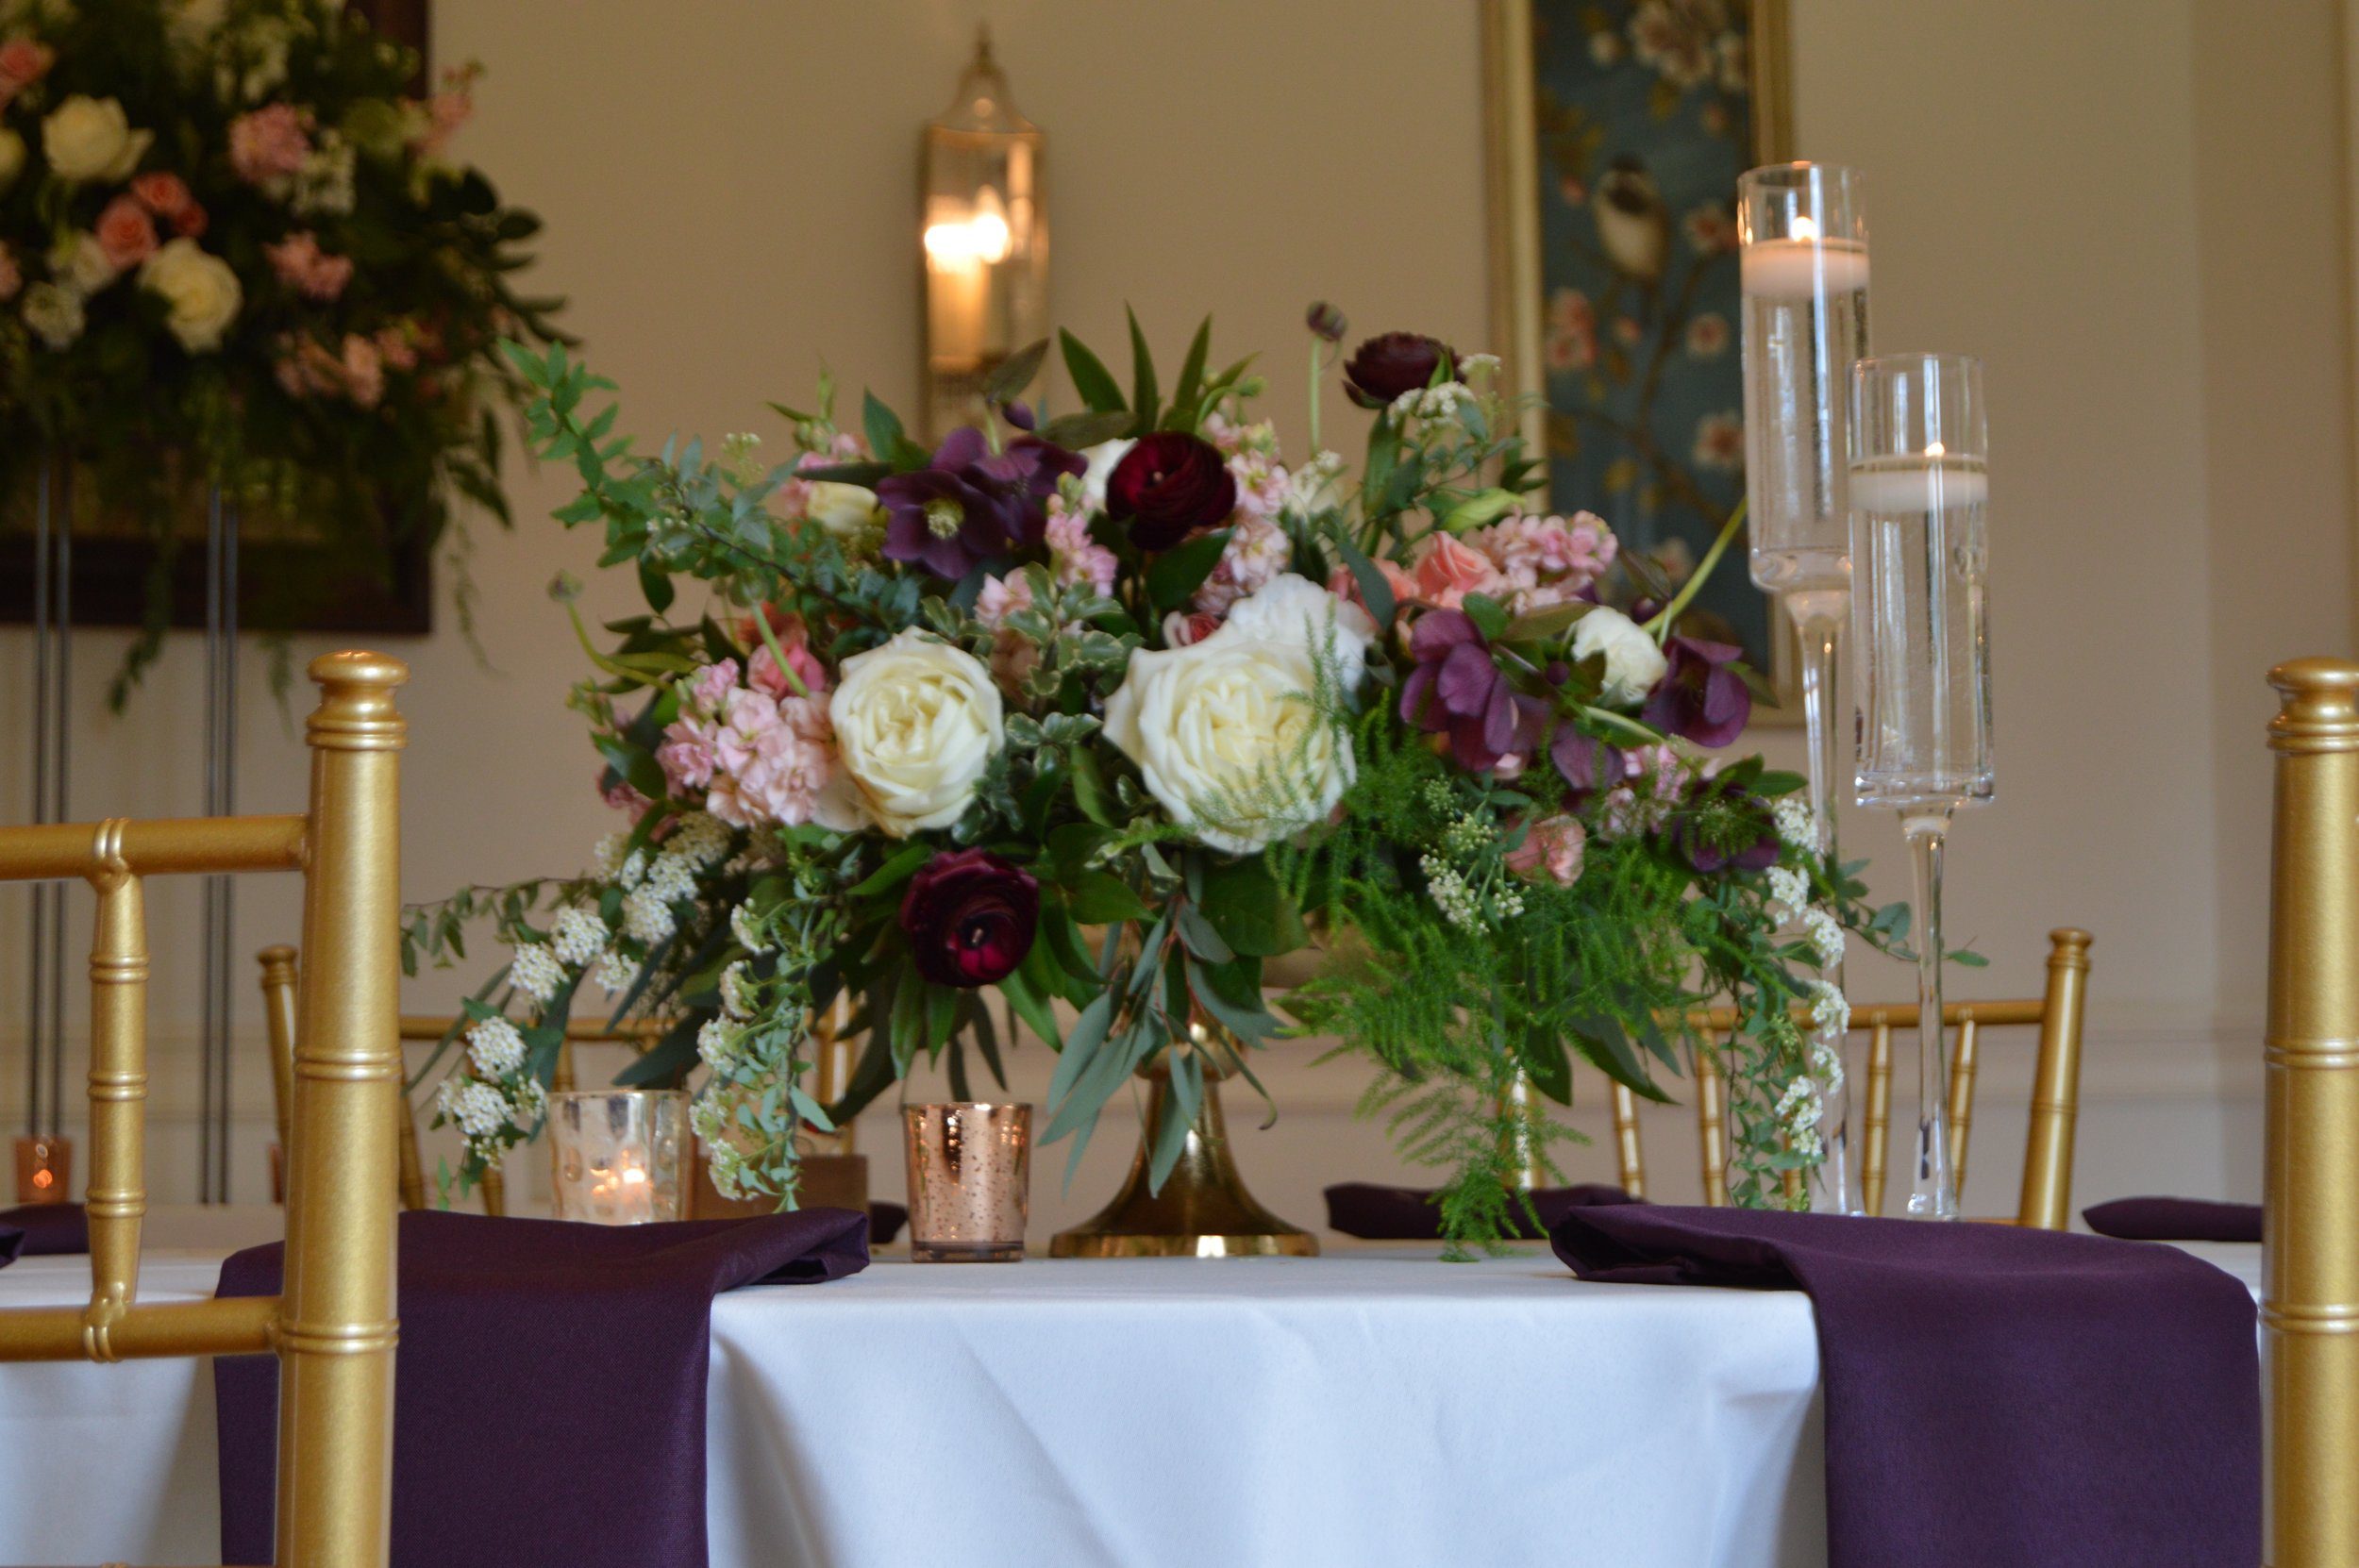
(1376, 1408)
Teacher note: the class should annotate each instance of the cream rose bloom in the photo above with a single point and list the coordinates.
(200, 292)
(90, 139)
(916, 722)
(849, 513)
(1634, 661)
(1225, 731)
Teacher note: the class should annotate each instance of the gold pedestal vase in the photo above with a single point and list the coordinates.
(1203, 1209)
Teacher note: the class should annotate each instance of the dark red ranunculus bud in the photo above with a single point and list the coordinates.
(1326, 322)
(1391, 363)
(1167, 486)
(970, 917)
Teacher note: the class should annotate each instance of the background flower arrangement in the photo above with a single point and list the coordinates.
(1104, 711)
(230, 236)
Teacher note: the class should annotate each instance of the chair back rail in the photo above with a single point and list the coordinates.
(333, 1326)
(2310, 1231)
(2046, 1191)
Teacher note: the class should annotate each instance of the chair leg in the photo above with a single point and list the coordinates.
(2047, 1200)
(1877, 1130)
(1627, 1155)
(1711, 1122)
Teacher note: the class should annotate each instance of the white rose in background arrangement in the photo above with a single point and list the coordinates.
(1225, 732)
(90, 139)
(847, 513)
(1102, 459)
(53, 315)
(199, 290)
(79, 262)
(1633, 661)
(916, 723)
(11, 156)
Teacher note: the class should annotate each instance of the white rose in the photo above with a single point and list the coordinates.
(1634, 661)
(1102, 459)
(916, 722)
(90, 139)
(199, 290)
(847, 513)
(1291, 607)
(1225, 732)
(79, 263)
(53, 315)
(11, 156)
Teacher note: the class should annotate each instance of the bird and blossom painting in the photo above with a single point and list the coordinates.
(1623, 127)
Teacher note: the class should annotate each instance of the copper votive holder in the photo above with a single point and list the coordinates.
(970, 1181)
(44, 1169)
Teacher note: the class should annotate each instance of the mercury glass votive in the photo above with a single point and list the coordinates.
(620, 1155)
(970, 1181)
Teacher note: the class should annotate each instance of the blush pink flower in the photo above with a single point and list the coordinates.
(1257, 550)
(22, 63)
(163, 194)
(795, 495)
(394, 346)
(270, 144)
(1553, 848)
(1545, 560)
(1345, 585)
(125, 233)
(622, 797)
(1001, 598)
(1074, 557)
(1450, 570)
(761, 670)
(686, 757)
(710, 688)
(306, 369)
(312, 272)
(364, 373)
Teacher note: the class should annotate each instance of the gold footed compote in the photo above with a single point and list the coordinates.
(1203, 1209)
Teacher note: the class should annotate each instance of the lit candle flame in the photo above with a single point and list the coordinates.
(1934, 449)
(1805, 228)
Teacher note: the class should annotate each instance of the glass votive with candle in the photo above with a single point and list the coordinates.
(1802, 267)
(970, 1181)
(620, 1155)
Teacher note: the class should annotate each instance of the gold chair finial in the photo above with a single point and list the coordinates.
(356, 710)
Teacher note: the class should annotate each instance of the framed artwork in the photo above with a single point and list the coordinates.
(114, 559)
(1618, 130)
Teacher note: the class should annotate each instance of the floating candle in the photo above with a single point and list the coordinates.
(1934, 482)
(1799, 268)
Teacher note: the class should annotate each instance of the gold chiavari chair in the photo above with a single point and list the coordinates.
(279, 967)
(333, 1328)
(2046, 1201)
(2310, 1230)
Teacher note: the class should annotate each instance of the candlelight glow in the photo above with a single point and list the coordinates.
(1805, 228)
(1934, 449)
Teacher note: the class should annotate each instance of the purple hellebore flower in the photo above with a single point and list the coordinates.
(1586, 764)
(1759, 855)
(968, 504)
(1458, 689)
(1700, 696)
(1024, 476)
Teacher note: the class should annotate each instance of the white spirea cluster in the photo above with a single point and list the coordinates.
(479, 1110)
(1826, 935)
(622, 870)
(580, 936)
(1830, 1010)
(669, 880)
(533, 1102)
(1459, 902)
(1794, 825)
(534, 970)
(614, 972)
(737, 991)
(1432, 403)
(716, 1043)
(646, 917)
(494, 1048)
(1789, 890)
(698, 840)
(742, 927)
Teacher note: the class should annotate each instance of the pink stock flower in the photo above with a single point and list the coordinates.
(710, 688)
(306, 369)
(1450, 570)
(364, 373)
(312, 272)
(1257, 550)
(1001, 598)
(686, 757)
(622, 797)
(1074, 557)
(125, 233)
(1545, 560)
(270, 144)
(1553, 848)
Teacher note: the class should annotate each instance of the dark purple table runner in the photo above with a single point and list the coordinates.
(549, 1388)
(1374, 1212)
(2175, 1220)
(45, 1229)
(1995, 1397)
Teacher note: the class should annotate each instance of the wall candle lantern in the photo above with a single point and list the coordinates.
(985, 238)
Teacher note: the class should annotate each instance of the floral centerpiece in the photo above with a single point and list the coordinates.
(1103, 712)
(231, 236)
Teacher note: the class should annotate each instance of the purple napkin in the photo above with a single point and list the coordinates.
(549, 1388)
(48, 1228)
(2165, 1220)
(1375, 1212)
(1995, 1397)
(885, 1221)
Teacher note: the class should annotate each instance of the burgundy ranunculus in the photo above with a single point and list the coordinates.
(1700, 696)
(970, 917)
(1458, 689)
(1384, 366)
(1167, 486)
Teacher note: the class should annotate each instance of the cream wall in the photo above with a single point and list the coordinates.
(2134, 210)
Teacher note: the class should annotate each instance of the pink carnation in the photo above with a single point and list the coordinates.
(270, 144)
(761, 670)
(312, 272)
(125, 233)
(1553, 848)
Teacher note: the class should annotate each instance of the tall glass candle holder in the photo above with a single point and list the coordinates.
(1803, 268)
(620, 1155)
(1920, 486)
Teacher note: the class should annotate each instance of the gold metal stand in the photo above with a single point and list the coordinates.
(2310, 1260)
(1203, 1211)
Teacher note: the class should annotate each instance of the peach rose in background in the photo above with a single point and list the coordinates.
(1448, 571)
(1553, 848)
(125, 233)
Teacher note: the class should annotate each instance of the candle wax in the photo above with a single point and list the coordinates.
(1796, 269)
(1919, 484)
